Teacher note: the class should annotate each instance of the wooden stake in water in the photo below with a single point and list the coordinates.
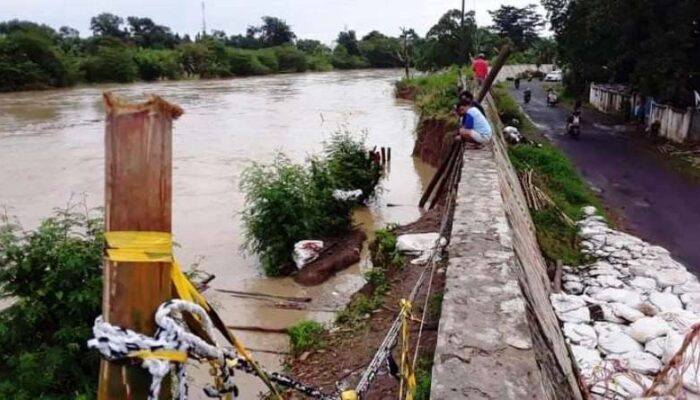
(138, 197)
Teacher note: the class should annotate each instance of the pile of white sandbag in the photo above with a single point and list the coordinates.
(627, 314)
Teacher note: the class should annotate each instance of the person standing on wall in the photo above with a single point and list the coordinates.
(480, 68)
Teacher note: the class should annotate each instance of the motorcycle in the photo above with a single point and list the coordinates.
(574, 127)
(551, 99)
(527, 94)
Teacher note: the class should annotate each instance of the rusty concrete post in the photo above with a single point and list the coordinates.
(138, 197)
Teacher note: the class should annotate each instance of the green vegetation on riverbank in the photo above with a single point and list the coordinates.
(288, 202)
(305, 335)
(54, 276)
(35, 56)
(434, 94)
(554, 174)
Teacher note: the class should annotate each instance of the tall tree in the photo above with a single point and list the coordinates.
(272, 32)
(107, 24)
(521, 25)
(146, 33)
(348, 39)
(448, 42)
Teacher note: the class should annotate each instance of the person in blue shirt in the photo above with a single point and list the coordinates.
(474, 127)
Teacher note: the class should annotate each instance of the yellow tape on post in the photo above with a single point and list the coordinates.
(134, 246)
(408, 377)
(144, 246)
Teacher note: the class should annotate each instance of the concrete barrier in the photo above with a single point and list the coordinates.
(498, 336)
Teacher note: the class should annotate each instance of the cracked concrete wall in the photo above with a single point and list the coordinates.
(498, 336)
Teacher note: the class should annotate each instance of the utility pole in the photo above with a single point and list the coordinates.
(462, 46)
(138, 197)
(204, 20)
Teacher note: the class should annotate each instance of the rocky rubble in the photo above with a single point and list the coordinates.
(626, 314)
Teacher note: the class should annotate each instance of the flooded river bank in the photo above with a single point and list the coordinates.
(51, 154)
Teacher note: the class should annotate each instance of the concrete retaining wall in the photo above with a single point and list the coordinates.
(498, 336)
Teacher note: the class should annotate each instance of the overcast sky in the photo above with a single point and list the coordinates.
(314, 19)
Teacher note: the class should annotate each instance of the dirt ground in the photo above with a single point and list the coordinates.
(346, 350)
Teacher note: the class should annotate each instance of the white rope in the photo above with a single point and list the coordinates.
(115, 343)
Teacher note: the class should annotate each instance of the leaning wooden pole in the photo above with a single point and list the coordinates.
(493, 73)
(485, 87)
(138, 197)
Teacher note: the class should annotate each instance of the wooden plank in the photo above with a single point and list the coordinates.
(138, 197)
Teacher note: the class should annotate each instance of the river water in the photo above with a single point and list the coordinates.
(51, 155)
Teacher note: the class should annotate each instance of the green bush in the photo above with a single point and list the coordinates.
(347, 161)
(320, 62)
(383, 250)
(287, 202)
(111, 64)
(30, 60)
(157, 64)
(268, 58)
(54, 276)
(358, 309)
(291, 59)
(341, 59)
(305, 335)
(245, 63)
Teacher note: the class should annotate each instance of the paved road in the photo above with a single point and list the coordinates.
(651, 200)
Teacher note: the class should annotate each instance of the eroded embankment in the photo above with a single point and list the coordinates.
(341, 353)
(433, 139)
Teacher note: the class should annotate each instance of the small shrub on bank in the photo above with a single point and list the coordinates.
(383, 250)
(305, 335)
(287, 202)
(54, 275)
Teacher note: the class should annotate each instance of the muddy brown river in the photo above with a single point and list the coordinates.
(51, 154)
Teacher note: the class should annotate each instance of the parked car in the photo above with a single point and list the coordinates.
(554, 76)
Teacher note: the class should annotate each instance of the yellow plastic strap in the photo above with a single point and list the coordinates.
(171, 355)
(134, 246)
(349, 395)
(185, 289)
(408, 377)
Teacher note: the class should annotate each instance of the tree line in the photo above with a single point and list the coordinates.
(36, 56)
(653, 46)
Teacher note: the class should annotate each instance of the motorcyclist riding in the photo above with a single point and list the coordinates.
(573, 122)
(551, 98)
(527, 93)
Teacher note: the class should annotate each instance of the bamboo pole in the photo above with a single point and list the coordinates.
(138, 197)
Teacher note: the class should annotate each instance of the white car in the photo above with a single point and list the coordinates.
(554, 76)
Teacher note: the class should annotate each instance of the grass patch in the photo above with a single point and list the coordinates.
(555, 174)
(435, 94)
(435, 306)
(359, 309)
(288, 202)
(424, 377)
(305, 335)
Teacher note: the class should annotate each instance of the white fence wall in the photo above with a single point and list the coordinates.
(675, 124)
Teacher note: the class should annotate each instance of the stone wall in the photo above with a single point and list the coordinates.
(498, 336)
